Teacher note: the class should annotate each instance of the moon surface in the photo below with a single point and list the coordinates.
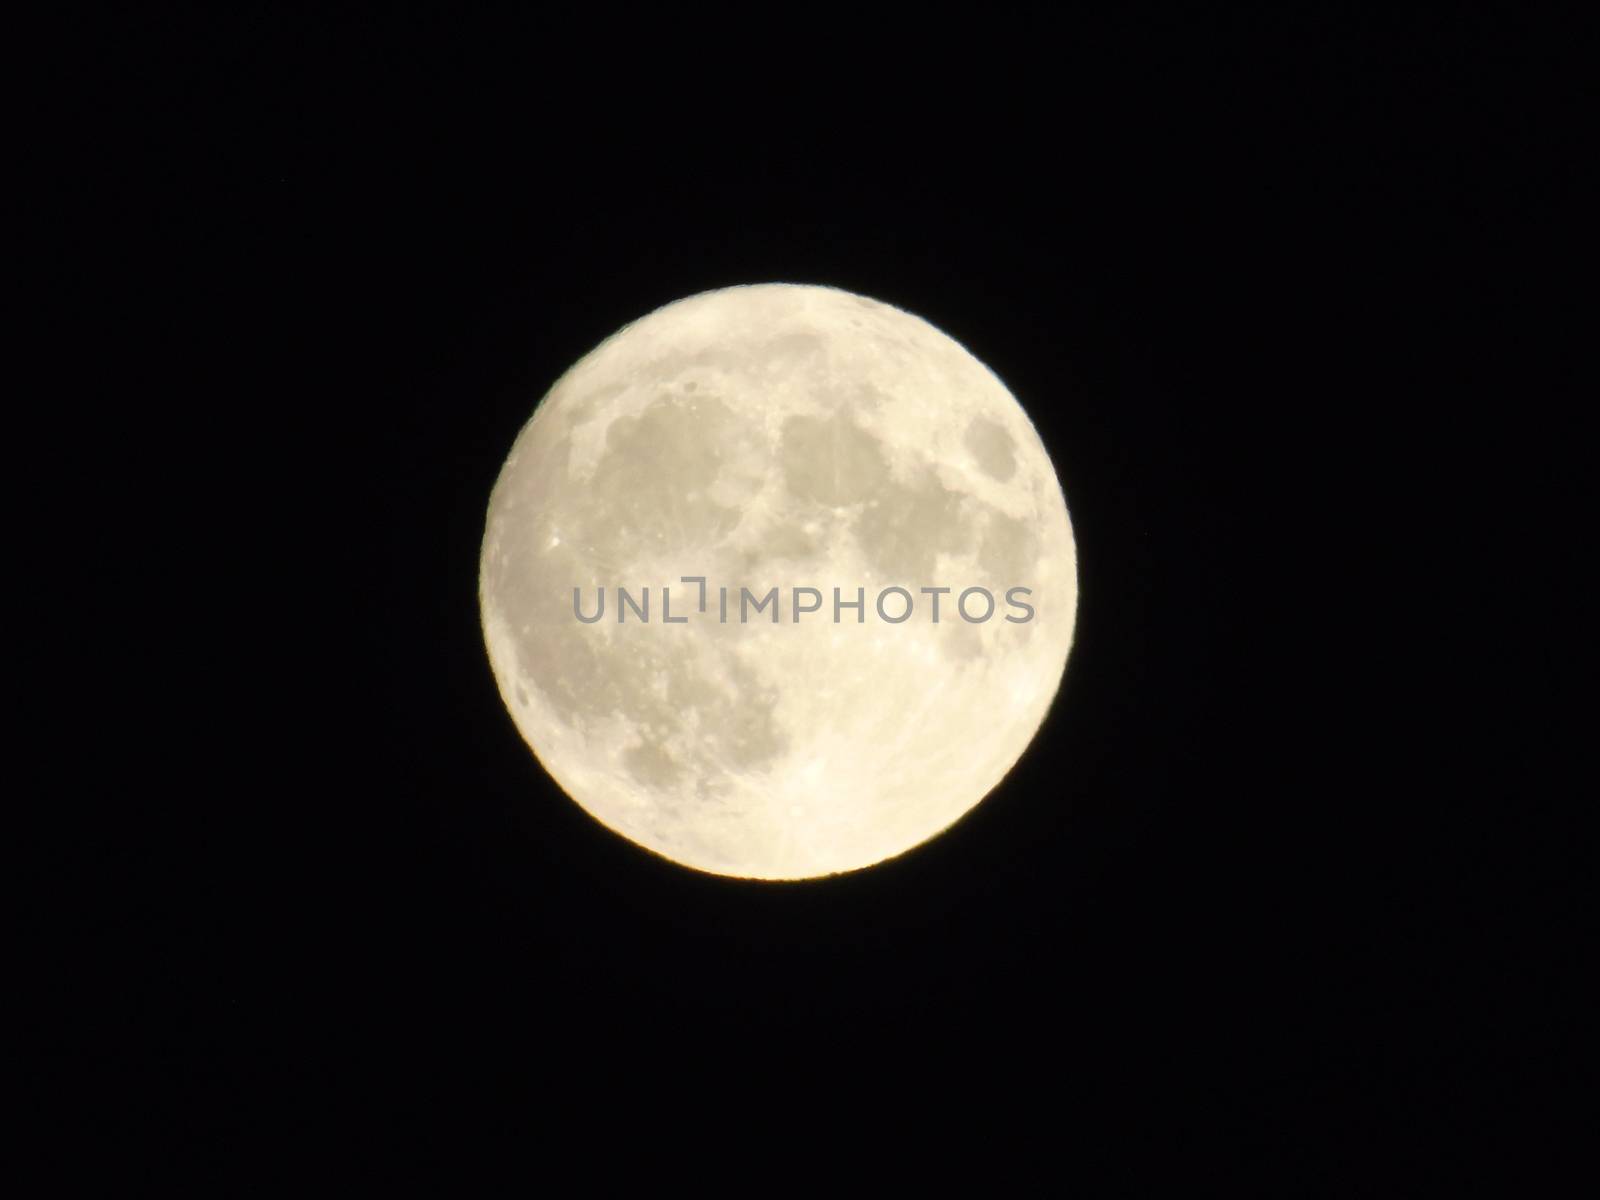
(804, 439)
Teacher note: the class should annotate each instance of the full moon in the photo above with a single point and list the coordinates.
(778, 582)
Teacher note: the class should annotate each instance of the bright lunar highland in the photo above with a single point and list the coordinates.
(789, 437)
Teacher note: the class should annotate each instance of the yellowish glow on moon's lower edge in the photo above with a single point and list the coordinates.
(790, 437)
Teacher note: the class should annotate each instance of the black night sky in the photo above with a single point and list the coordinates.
(1246, 900)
